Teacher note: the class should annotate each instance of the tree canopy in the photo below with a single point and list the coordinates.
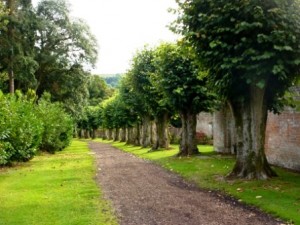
(245, 43)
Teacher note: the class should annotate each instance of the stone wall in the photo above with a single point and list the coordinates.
(205, 124)
(223, 131)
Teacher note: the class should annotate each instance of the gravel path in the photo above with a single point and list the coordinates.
(145, 194)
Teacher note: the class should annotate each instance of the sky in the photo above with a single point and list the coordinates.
(124, 26)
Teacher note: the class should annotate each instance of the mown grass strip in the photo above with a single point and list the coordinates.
(278, 196)
(54, 190)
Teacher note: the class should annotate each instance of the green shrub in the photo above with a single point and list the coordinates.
(58, 125)
(20, 129)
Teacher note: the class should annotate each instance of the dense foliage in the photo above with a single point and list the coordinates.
(20, 129)
(58, 126)
(245, 43)
(26, 127)
(46, 49)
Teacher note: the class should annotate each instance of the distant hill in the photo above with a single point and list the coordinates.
(112, 79)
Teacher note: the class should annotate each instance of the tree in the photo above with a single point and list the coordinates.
(182, 81)
(132, 104)
(64, 49)
(94, 116)
(3, 16)
(107, 116)
(139, 76)
(17, 44)
(113, 80)
(251, 49)
(98, 90)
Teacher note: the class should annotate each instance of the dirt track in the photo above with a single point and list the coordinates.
(145, 194)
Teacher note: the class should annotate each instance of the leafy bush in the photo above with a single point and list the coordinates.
(58, 125)
(20, 129)
(26, 127)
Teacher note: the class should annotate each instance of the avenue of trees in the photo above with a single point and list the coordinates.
(245, 54)
(163, 83)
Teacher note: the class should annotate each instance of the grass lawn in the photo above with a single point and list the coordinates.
(279, 196)
(54, 190)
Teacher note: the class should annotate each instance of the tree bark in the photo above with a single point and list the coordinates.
(137, 134)
(110, 134)
(11, 81)
(104, 137)
(188, 142)
(250, 125)
(86, 134)
(162, 139)
(146, 129)
(123, 134)
(10, 30)
(130, 136)
(117, 134)
(94, 131)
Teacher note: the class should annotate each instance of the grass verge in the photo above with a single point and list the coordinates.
(278, 196)
(54, 190)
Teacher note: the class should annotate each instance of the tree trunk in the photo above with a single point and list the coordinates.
(162, 139)
(94, 133)
(110, 134)
(188, 142)
(137, 134)
(146, 132)
(130, 136)
(79, 131)
(123, 134)
(104, 137)
(250, 125)
(11, 4)
(11, 81)
(117, 134)
(86, 134)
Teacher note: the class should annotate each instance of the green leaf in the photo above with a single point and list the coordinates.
(214, 44)
(283, 48)
(297, 61)
(261, 84)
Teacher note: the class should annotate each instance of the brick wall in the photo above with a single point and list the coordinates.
(282, 143)
(283, 139)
